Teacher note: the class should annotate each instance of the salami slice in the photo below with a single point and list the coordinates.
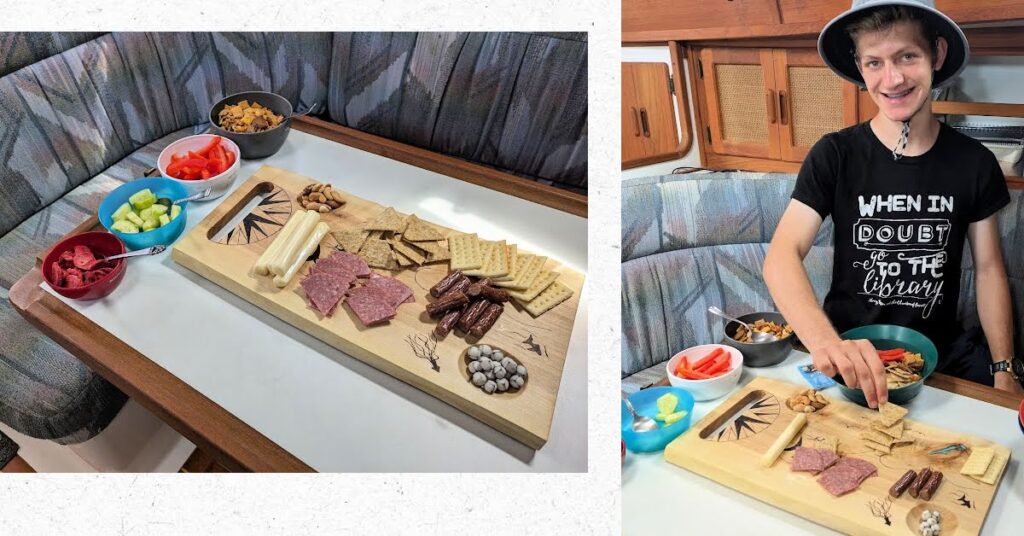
(371, 305)
(806, 459)
(325, 290)
(864, 469)
(397, 291)
(347, 261)
(838, 481)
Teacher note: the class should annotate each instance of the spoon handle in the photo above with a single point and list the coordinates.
(716, 311)
(195, 197)
(138, 253)
(629, 405)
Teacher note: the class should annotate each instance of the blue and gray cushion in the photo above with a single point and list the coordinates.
(691, 241)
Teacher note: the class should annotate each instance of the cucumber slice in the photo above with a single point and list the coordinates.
(134, 219)
(124, 226)
(175, 210)
(121, 212)
(157, 210)
(142, 199)
(149, 225)
(164, 220)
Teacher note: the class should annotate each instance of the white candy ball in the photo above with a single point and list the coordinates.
(489, 374)
(521, 370)
(474, 352)
(485, 350)
(486, 364)
(509, 364)
(474, 366)
(516, 381)
(490, 386)
(499, 371)
(479, 378)
(502, 384)
(497, 355)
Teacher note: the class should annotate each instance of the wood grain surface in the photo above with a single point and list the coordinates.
(734, 461)
(524, 415)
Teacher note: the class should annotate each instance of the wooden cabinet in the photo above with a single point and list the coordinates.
(649, 132)
(770, 103)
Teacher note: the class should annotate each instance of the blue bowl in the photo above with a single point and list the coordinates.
(160, 187)
(646, 403)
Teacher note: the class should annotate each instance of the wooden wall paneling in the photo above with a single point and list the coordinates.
(964, 11)
(803, 11)
(677, 51)
(742, 114)
(866, 108)
(646, 15)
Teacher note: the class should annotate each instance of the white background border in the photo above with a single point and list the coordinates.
(365, 503)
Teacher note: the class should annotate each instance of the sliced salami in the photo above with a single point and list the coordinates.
(806, 459)
(349, 262)
(371, 304)
(398, 292)
(838, 481)
(325, 290)
(864, 469)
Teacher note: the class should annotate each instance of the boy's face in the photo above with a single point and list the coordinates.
(897, 69)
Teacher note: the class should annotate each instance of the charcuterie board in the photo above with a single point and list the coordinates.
(727, 446)
(404, 347)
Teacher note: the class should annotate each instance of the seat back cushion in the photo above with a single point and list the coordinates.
(691, 242)
(514, 101)
(66, 118)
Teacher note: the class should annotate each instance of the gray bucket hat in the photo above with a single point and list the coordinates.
(837, 49)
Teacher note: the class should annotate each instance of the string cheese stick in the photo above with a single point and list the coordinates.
(290, 249)
(311, 243)
(263, 263)
(780, 442)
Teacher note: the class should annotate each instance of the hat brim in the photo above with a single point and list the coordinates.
(837, 49)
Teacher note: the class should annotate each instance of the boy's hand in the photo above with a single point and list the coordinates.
(1005, 382)
(858, 363)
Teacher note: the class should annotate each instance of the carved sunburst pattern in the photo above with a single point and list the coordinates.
(748, 421)
(265, 219)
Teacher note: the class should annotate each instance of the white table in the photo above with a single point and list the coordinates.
(329, 410)
(661, 498)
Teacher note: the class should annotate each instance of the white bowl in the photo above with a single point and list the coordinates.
(219, 184)
(711, 388)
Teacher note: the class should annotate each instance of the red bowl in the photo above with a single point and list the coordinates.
(101, 243)
(1020, 416)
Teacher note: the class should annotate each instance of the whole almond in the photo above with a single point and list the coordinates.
(337, 196)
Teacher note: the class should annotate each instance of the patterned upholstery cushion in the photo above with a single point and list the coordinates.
(46, 392)
(23, 48)
(693, 241)
(689, 242)
(514, 101)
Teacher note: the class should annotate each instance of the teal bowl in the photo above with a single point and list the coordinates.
(160, 187)
(646, 403)
(887, 337)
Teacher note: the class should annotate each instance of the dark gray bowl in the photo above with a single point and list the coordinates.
(259, 144)
(762, 354)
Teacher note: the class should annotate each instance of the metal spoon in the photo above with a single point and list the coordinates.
(137, 253)
(640, 423)
(755, 336)
(194, 197)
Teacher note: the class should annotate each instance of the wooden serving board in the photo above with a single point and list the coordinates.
(733, 459)
(539, 343)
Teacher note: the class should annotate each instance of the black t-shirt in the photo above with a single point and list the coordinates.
(899, 225)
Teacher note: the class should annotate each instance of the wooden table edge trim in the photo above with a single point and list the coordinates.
(235, 444)
(478, 174)
(952, 384)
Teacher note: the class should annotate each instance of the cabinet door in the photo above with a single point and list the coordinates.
(651, 15)
(741, 101)
(633, 149)
(657, 113)
(812, 101)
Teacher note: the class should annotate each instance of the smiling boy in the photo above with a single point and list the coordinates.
(904, 192)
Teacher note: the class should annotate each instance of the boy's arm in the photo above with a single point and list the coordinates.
(993, 295)
(784, 273)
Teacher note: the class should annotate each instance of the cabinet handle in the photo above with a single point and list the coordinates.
(646, 124)
(636, 121)
(782, 108)
(770, 97)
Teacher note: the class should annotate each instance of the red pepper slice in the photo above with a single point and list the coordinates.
(209, 146)
(205, 174)
(707, 358)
